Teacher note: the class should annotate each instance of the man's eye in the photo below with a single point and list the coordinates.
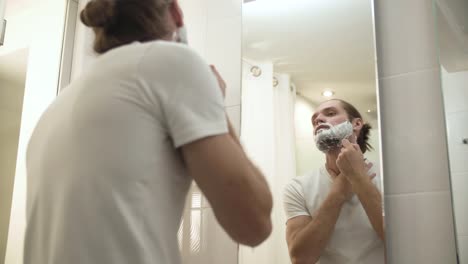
(331, 113)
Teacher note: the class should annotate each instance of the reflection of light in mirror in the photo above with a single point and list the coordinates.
(196, 199)
(195, 226)
(180, 234)
(328, 93)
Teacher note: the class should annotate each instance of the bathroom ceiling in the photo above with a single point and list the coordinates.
(322, 44)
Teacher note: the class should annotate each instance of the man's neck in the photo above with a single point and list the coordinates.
(331, 157)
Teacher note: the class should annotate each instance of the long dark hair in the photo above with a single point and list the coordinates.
(364, 135)
(119, 22)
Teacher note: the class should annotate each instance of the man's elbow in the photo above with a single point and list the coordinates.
(257, 232)
(298, 257)
(300, 261)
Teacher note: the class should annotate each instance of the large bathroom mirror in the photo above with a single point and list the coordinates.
(309, 80)
(452, 32)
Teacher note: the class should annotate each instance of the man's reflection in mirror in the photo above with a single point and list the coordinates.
(335, 212)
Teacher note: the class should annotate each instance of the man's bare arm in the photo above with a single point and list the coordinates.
(308, 236)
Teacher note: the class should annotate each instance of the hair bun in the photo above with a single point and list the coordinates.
(98, 13)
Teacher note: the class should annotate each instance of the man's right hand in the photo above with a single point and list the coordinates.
(221, 82)
(341, 185)
(342, 188)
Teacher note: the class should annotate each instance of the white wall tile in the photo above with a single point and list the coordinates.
(455, 87)
(224, 51)
(218, 10)
(234, 113)
(420, 228)
(458, 161)
(460, 201)
(405, 36)
(195, 15)
(463, 249)
(457, 124)
(413, 129)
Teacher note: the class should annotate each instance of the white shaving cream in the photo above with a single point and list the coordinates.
(328, 139)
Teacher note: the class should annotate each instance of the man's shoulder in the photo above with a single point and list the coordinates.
(166, 60)
(305, 179)
(175, 52)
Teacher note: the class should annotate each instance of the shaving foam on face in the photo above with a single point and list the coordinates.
(181, 35)
(328, 139)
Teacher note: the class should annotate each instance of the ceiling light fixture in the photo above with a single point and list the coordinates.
(328, 93)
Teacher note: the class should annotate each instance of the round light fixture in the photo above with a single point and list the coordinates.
(368, 111)
(328, 93)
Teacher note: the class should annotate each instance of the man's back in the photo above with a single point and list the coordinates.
(106, 183)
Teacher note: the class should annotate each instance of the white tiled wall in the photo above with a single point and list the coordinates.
(419, 218)
(455, 87)
(463, 246)
(214, 30)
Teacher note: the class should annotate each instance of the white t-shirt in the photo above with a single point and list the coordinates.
(353, 241)
(106, 180)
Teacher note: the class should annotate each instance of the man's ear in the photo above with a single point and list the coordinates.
(357, 124)
(176, 13)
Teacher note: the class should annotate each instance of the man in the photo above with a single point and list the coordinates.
(335, 212)
(111, 160)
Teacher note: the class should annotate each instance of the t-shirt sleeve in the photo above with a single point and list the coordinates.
(294, 201)
(187, 91)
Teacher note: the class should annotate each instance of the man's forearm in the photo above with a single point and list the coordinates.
(371, 200)
(308, 244)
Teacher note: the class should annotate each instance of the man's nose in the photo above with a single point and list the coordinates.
(320, 120)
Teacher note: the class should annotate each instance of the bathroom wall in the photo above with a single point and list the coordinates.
(40, 90)
(11, 101)
(418, 206)
(308, 157)
(456, 109)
